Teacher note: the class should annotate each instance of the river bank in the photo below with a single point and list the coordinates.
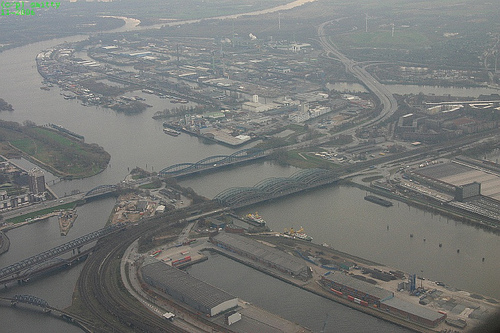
(4, 242)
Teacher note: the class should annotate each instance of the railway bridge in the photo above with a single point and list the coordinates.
(33, 303)
(276, 187)
(47, 259)
(100, 190)
(213, 162)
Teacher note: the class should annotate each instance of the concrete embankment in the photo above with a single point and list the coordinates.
(4, 242)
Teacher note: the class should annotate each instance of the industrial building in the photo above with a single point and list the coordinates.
(262, 253)
(412, 312)
(463, 172)
(350, 286)
(366, 294)
(465, 183)
(467, 191)
(183, 287)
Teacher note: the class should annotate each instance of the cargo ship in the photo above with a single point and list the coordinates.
(256, 219)
(297, 234)
(378, 201)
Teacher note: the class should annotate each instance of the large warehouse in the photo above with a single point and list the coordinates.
(350, 286)
(187, 289)
(345, 285)
(464, 183)
(462, 171)
(412, 312)
(262, 253)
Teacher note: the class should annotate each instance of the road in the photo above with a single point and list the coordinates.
(386, 98)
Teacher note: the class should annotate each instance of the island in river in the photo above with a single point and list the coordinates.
(63, 153)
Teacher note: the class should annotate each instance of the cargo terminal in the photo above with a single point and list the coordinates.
(464, 183)
(349, 286)
(366, 294)
(187, 289)
(263, 254)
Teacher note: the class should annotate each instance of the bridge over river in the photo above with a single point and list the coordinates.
(276, 187)
(37, 263)
(33, 303)
(213, 162)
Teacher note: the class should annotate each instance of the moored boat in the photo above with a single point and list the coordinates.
(170, 131)
(298, 234)
(378, 201)
(256, 219)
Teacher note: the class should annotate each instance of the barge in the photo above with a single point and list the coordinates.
(378, 201)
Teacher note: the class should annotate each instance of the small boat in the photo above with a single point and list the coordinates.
(44, 88)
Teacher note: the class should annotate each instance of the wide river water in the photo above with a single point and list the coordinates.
(334, 215)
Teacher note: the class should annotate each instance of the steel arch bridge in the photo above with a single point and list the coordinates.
(211, 162)
(275, 187)
(102, 189)
(234, 196)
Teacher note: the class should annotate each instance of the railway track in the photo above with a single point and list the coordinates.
(103, 294)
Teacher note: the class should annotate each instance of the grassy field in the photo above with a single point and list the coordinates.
(22, 218)
(62, 155)
(401, 39)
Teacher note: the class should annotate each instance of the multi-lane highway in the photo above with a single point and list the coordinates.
(387, 100)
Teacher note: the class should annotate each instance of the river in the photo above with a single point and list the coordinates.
(403, 89)
(336, 215)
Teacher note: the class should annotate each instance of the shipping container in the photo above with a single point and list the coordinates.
(336, 292)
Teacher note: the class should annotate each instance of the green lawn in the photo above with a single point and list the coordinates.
(402, 39)
(60, 154)
(22, 218)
